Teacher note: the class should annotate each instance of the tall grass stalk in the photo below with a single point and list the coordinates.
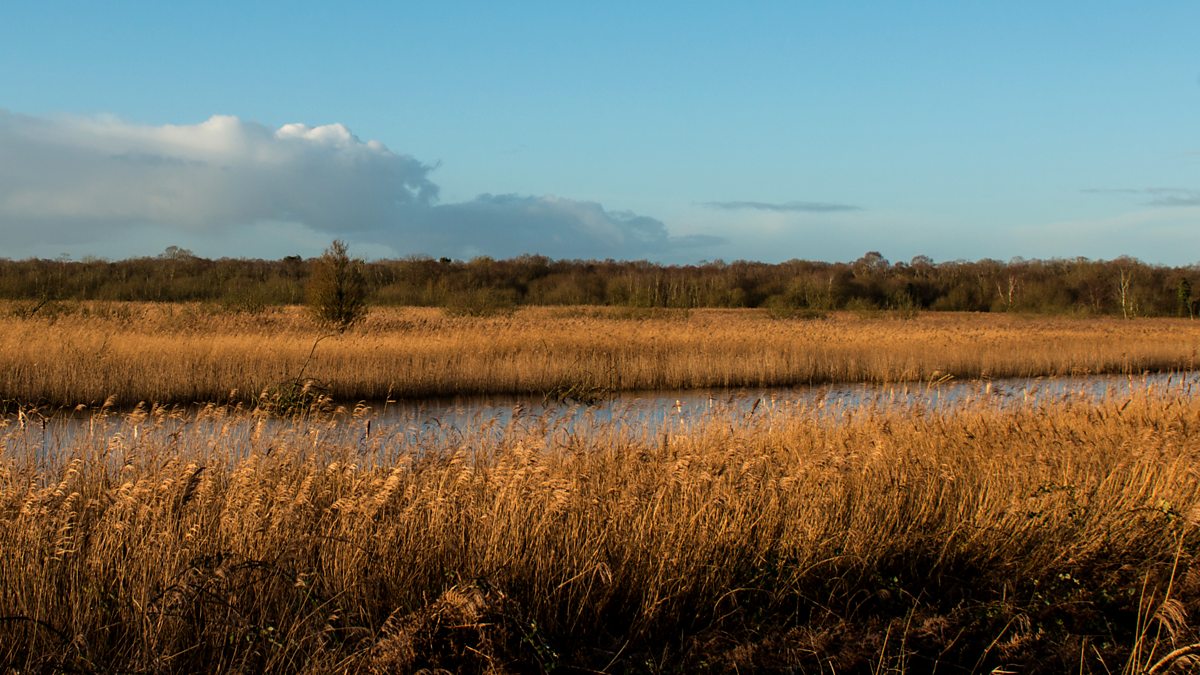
(84, 353)
(888, 539)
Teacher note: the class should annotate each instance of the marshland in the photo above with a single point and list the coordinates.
(560, 338)
(888, 539)
(847, 522)
(88, 352)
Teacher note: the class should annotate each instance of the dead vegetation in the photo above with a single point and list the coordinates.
(1056, 538)
(183, 353)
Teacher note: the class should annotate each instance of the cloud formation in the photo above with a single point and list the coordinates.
(1175, 198)
(74, 181)
(785, 207)
(1157, 196)
(508, 225)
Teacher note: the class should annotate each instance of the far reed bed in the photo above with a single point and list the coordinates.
(1057, 538)
(188, 353)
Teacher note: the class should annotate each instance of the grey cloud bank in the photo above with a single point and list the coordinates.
(508, 225)
(78, 181)
(1176, 198)
(1158, 196)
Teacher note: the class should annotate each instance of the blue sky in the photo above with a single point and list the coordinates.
(672, 131)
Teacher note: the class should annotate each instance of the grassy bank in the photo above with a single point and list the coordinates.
(1053, 539)
(84, 353)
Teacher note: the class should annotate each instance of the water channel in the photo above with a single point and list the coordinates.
(406, 426)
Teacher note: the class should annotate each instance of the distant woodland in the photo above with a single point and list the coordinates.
(1124, 286)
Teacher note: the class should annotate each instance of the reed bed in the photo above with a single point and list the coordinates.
(1060, 537)
(85, 353)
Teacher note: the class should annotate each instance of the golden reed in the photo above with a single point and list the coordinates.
(886, 539)
(191, 353)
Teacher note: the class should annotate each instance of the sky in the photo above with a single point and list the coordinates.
(677, 132)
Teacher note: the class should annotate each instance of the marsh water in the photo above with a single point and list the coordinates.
(404, 426)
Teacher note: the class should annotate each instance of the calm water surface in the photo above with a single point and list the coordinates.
(406, 426)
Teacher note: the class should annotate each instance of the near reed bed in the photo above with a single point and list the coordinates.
(1056, 538)
(86, 352)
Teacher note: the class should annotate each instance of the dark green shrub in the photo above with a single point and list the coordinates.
(337, 288)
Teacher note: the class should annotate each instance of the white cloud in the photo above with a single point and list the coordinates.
(87, 181)
(782, 207)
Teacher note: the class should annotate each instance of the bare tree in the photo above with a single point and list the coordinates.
(1123, 292)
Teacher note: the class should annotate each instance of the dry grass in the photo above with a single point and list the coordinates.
(1051, 539)
(186, 353)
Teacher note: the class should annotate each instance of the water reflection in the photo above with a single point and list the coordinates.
(387, 429)
(654, 409)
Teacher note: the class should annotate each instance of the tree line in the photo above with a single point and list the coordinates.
(1123, 286)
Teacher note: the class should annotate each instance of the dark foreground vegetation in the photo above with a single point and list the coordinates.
(1055, 539)
(1124, 286)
